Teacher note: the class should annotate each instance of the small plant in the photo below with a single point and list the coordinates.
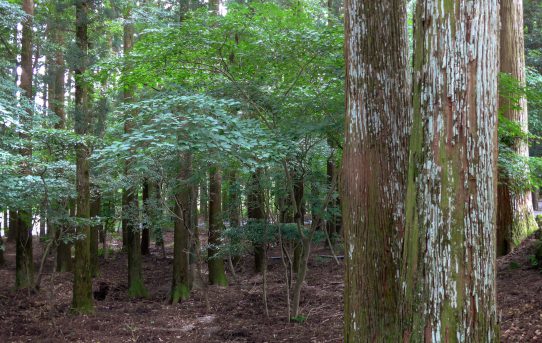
(533, 261)
(514, 265)
(299, 319)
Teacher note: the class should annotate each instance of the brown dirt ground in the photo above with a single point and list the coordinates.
(236, 313)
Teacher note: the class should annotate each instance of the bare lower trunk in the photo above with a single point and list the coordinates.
(82, 284)
(515, 219)
(217, 275)
(181, 281)
(374, 165)
(24, 265)
(448, 274)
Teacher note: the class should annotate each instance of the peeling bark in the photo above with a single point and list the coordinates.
(448, 273)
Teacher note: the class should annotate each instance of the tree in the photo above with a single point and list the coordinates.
(448, 272)
(82, 281)
(181, 285)
(374, 162)
(515, 217)
(136, 288)
(256, 214)
(24, 261)
(217, 274)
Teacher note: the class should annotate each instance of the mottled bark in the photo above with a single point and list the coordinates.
(448, 273)
(515, 219)
(374, 164)
(24, 265)
(82, 281)
(181, 285)
(217, 275)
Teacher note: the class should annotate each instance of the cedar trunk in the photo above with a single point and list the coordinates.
(255, 211)
(131, 231)
(515, 218)
(217, 274)
(24, 265)
(374, 164)
(82, 284)
(146, 232)
(180, 288)
(448, 271)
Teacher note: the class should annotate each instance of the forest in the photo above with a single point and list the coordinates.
(270, 171)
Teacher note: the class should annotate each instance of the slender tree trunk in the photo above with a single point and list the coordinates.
(23, 256)
(145, 233)
(95, 211)
(217, 274)
(204, 201)
(374, 164)
(256, 215)
(180, 288)
(43, 216)
(82, 281)
(12, 230)
(136, 287)
(56, 90)
(64, 261)
(448, 273)
(515, 219)
(299, 216)
(535, 200)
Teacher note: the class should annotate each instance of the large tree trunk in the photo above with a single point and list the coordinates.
(374, 165)
(24, 265)
(448, 273)
(136, 288)
(217, 274)
(180, 288)
(82, 283)
(256, 215)
(56, 96)
(515, 219)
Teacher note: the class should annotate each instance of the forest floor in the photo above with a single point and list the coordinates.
(236, 313)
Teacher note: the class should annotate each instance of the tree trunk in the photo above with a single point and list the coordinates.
(82, 281)
(374, 164)
(145, 233)
(180, 288)
(515, 219)
(448, 273)
(217, 274)
(23, 256)
(43, 216)
(204, 201)
(64, 261)
(12, 230)
(136, 287)
(299, 216)
(536, 199)
(95, 211)
(256, 215)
